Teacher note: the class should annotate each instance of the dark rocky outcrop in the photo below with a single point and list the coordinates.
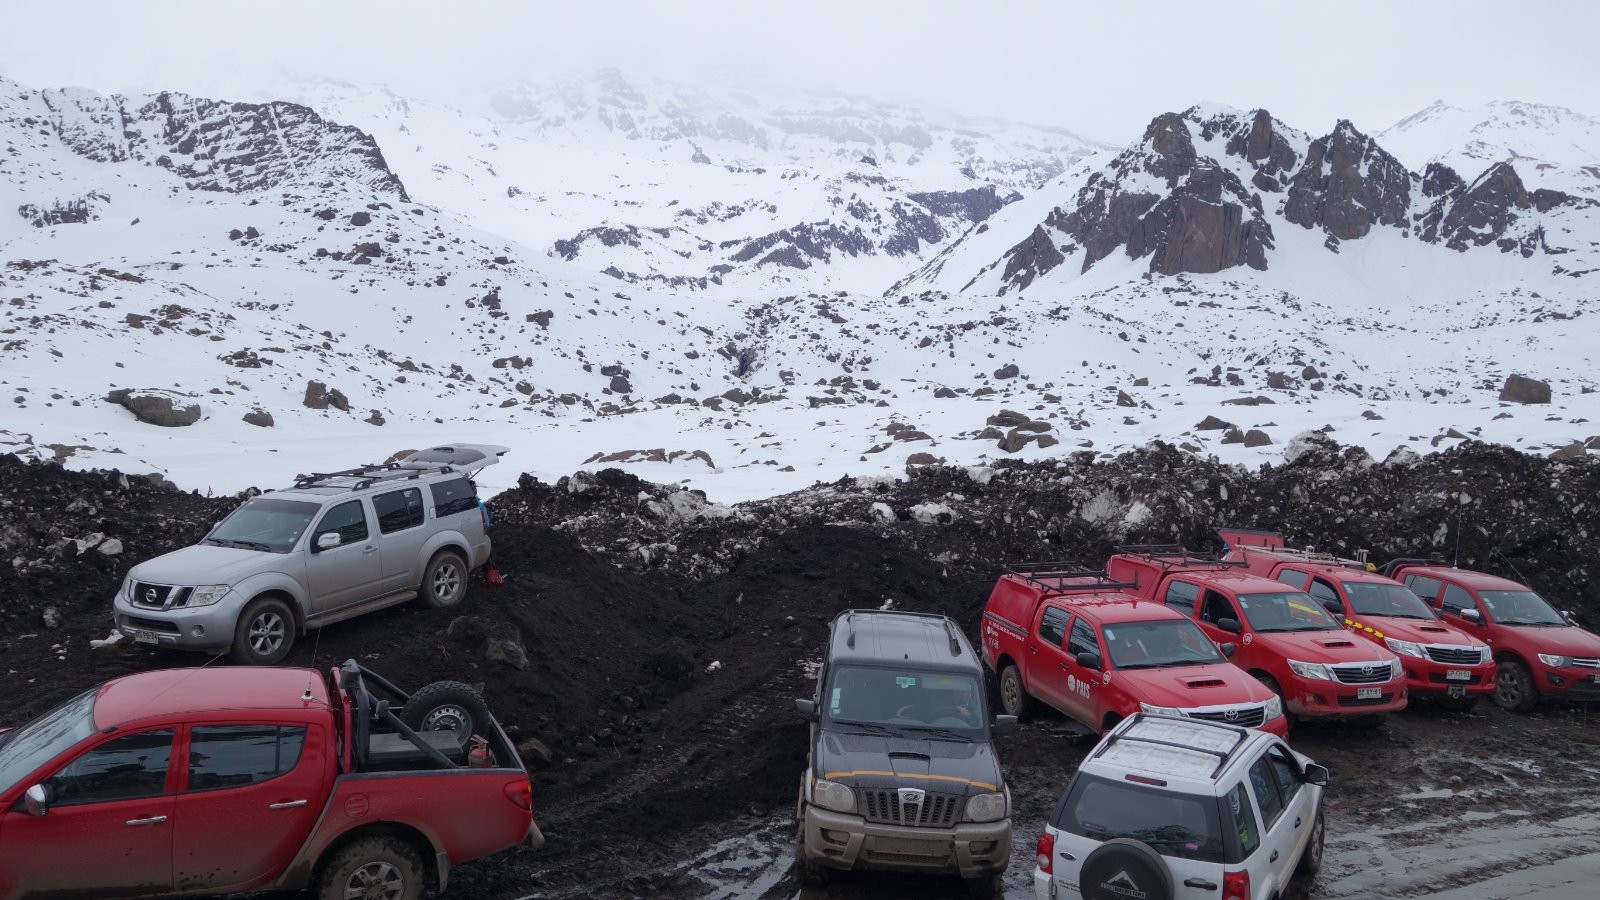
(157, 407)
(1347, 185)
(1522, 389)
(320, 396)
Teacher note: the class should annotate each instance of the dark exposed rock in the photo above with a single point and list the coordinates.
(1347, 185)
(259, 417)
(1212, 423)
(1256, 438)
(1033, 257)
(1009, 370)
(319, 396)
(157, 407)
(1522, 389)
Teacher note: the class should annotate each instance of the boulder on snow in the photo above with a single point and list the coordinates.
(1522, 389)
(320, 396)
(154, 406)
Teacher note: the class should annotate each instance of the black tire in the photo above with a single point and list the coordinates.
(444, 581)
(446, 706)
(1014, 699)
(264, 632)
(1121, 868)
(1311, 861)
(808, 872)
(373, 867)
(1513, 686)
(986, 887)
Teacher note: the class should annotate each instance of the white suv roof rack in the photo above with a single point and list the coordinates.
(1186, 748)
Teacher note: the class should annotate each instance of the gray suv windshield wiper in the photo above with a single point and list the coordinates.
(872, 728)
(235, 542)
(940, 734)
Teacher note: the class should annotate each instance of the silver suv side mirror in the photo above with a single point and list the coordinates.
(1316, 774)
(37, 800)
(328, 540)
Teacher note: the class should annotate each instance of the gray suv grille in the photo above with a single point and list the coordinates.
(893, 807)
(150, 596)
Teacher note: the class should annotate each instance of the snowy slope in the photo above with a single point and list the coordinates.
(250, 259)
(1550, 146)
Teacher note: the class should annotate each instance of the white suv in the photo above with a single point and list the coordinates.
(1182, 809)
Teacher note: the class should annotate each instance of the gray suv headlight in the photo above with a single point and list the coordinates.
(986, 808)
(207, 594)
(834, 796)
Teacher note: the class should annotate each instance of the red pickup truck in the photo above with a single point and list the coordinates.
(1285, 638)
(216, 780)
(1441, 661)
(1539, 651)
(1072, 640)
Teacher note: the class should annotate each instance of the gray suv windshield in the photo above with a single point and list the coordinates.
(264, 524)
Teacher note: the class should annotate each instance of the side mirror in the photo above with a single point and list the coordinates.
(1569, 616)
(1229, 625)
(1003, 725)
(1089, 660)
(37, 800)
(1228, 649)
(328, 540)
(1316, 774)
(1472, 615)
(807, 708)
(1333, 605)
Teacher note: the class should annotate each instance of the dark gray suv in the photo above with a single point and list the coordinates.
(333, 546)
(901, 773)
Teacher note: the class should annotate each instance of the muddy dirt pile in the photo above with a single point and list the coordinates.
(666, 634)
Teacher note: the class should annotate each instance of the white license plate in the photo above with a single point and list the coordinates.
(1371, 693)
(145, 637)
(1458, 675)
(1596, 678)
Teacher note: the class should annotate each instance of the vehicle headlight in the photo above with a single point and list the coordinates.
(207, 594)
(1395, 669)
(986, 808)
(834, 796)
(1160, 710)
(1315, 671)
(1554, 661)
(1272, 708)
(126, 593)
(1404, 648)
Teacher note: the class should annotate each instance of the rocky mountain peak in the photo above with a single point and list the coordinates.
(1347, 185)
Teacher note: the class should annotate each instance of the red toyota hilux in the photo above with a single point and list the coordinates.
(217, 780)
(1285, 638)
(1539, 651)
(1442, 662)
(1071, 639)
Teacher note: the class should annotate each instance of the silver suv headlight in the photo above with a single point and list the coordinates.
(207, 594)
(834, 796)
(986, 808)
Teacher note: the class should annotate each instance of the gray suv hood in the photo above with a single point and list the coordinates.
(908, 761)
(204, 564)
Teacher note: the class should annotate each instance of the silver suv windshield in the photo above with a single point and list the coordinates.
(37, 742)
(265, 523)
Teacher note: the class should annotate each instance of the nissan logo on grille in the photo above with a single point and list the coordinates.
(151, 595)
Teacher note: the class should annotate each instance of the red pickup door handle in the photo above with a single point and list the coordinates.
(153, 820)
(290, 804)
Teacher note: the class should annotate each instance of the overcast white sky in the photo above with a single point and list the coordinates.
(1103, 69)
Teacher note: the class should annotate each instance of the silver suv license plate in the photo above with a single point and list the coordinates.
(144, 637)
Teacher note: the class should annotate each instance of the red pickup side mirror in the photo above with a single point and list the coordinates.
(37, 800)
(1228, 649)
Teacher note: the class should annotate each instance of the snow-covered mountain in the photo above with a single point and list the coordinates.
(680, 186)
(233, 293)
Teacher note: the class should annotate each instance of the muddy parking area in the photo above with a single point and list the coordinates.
(666, 637)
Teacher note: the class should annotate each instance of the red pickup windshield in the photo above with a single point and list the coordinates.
(1166, 642)
(1394, 600)
(36, 743)
(1520, 608)
(1285, 611)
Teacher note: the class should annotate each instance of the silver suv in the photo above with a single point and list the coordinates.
(334, 546)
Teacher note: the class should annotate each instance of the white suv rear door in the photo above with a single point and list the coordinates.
(1287, 809)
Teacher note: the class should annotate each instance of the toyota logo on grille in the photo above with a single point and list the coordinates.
(150, 595)
(1231, 714)
(1366, 670)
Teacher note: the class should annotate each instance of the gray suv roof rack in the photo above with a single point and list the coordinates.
(367, 476)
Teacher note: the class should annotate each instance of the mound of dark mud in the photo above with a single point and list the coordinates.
(666, 635)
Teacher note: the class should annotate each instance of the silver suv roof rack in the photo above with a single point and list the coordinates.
(367, 476)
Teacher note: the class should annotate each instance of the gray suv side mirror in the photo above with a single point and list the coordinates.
(37, 800)
(328, 540)
(807, 708)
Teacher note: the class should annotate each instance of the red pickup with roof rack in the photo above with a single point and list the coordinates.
(1284, 638)
(1076, 641)
(1441, 660)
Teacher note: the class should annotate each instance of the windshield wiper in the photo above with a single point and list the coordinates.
(940, 734)
(871, 728)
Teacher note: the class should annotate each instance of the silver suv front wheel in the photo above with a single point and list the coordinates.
(264, 632)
